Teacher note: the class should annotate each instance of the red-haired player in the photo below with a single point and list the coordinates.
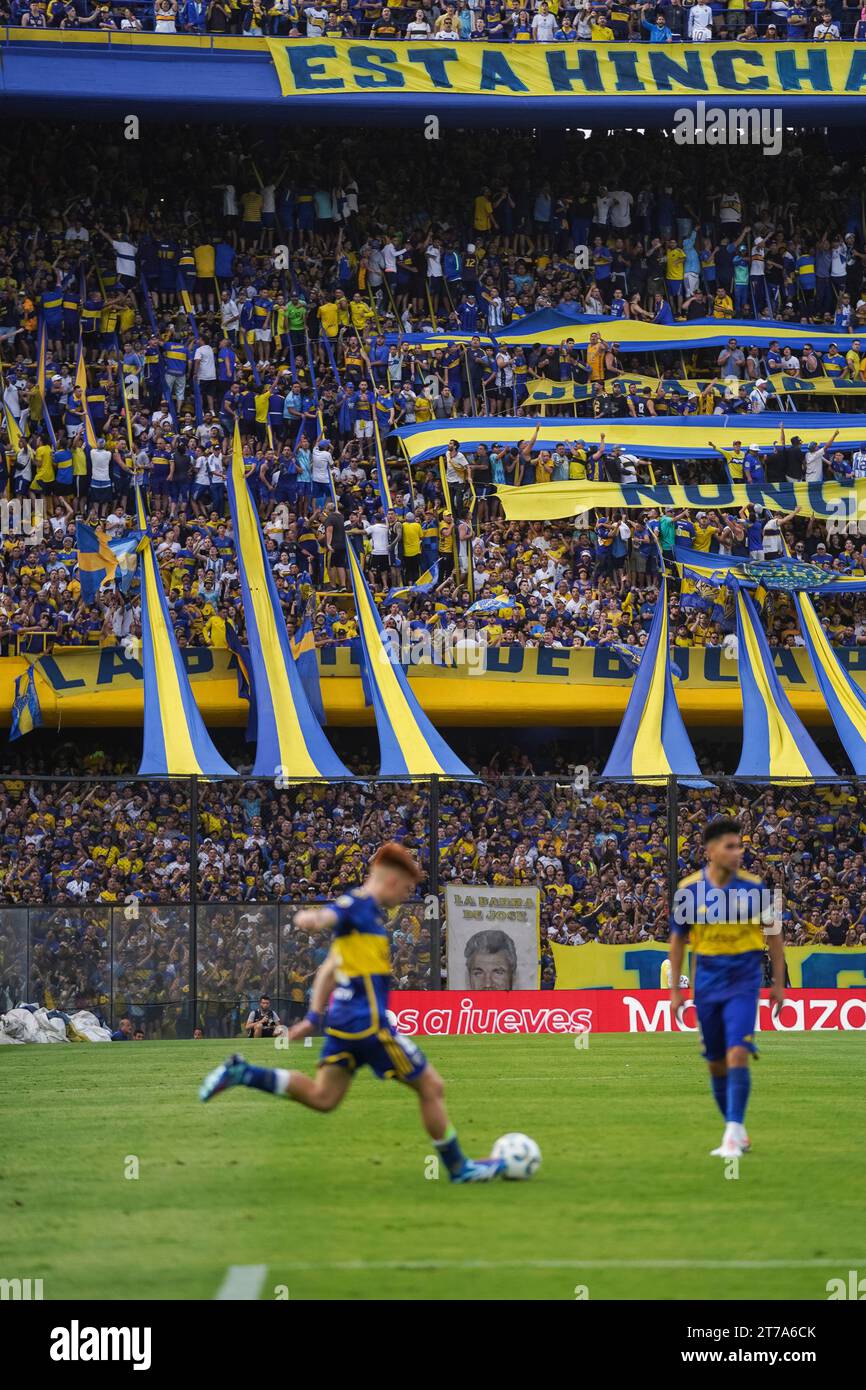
(350, 993)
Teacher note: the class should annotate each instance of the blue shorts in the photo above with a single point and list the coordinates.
(390, 1055)
(321, 492)
(728, 1022)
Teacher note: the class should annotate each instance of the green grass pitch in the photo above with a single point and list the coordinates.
(628, 1203)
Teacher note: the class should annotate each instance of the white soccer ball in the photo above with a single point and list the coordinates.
(521, 1154)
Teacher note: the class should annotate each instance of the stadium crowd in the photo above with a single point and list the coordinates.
(169, 264)
(188, 326)
(109, 912)
(536, 21)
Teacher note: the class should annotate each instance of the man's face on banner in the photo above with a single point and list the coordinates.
(489, 970)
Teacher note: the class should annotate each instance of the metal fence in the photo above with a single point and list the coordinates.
(191, 886)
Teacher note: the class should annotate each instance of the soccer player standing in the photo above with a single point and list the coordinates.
(355, 978)
(726, 913)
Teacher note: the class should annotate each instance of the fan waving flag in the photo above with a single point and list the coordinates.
(423, 584)
(289, 739)
(652, 739)
(409, 744)
(775, 742)
(100, 560)
(176, 741)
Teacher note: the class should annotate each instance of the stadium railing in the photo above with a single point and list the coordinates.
(201, 956)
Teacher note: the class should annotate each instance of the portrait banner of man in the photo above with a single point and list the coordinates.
(492, 937)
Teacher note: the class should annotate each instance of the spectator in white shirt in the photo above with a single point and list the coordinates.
(700, 23)
(543, 24)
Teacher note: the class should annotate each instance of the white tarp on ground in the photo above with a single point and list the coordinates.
(28, 1025)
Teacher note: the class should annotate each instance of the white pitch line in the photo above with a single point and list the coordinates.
(361, 1265)
(243, 1283)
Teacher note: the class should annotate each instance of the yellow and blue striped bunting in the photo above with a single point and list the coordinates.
(176, 741)
(652, 741)
(845, 700)
(289, 739)
(776, 745)
(409, 744)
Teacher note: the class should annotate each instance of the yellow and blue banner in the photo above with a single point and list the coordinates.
(660, 437)
(240, 77)
(640, 964)
(289, 739)
(776, 743)
(652, 740)
(816, 385)
(541, 391)
(845, 700)
(26, 710)
(176, 741)
(409, 744)
(552, 501)
(552, 328)
(608, 73)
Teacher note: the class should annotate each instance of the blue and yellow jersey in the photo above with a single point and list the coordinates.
(361, 952)
(726, 928)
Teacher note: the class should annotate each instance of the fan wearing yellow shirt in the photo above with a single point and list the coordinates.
(483, 219)
(411, 538)
(854, 360)
(705, 533)
(675, 260)
(329, 317)
(44, 474)
(204, 257)
(251, 220)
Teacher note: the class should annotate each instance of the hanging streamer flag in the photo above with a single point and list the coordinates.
(289, 739)
(776, 744)
(652, 741)
(81, 383)
(12, 429)
(26, 710)
(409, 745)
(381, 470)
(303, 647)
(176, 741)
(845, 700)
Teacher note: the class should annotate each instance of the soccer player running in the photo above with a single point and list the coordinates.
(355, 979)
(727, 912)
